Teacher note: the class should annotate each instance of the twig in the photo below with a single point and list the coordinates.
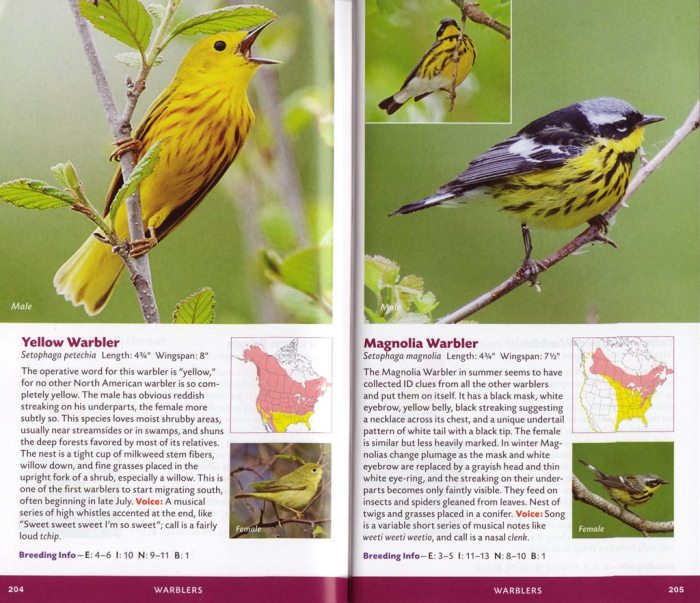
(139, 268)
(581, 493)
(472, 10)
(590, 235)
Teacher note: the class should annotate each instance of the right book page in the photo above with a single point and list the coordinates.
(526, 418)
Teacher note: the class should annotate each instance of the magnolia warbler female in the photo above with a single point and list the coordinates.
(628, 489)
(561, 170)
(452, 51)
(202, 119)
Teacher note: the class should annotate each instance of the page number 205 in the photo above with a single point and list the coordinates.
(676, 590)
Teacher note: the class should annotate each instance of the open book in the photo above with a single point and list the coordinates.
(425, 327)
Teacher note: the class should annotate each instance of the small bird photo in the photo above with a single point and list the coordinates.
(428, 62)
(622, 489)
(280, 491)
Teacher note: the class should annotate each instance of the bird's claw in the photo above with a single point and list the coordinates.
(529, 271)
(125, 145)
(142, 246)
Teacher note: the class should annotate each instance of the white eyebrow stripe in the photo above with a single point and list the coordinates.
(600, 119)
(525, 147)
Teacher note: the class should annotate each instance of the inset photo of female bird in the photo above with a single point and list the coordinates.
(444, 61)
(280, 491)
(205, 118)
(622, 489)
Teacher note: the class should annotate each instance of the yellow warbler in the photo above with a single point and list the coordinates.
(293, 491)
(202, 119)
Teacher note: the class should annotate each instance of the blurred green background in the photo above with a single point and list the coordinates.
(257, 462)
(563, 52)
(397, 35)
(277, 195)
(623, 458)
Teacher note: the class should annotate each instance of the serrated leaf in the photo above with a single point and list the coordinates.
(143, 168)
(197, 309)
(231, 18)
(125, 20)
(309, 270)
(34, 194)
(133, 59)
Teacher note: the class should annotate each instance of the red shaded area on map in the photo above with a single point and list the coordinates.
(645, 384)
(279, 393)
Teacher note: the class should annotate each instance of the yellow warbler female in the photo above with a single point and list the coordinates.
(293, 491)
(202, 119)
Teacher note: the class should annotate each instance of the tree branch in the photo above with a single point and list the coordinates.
(590, 235)
(581, 493)
(139, 268)
(472, 10)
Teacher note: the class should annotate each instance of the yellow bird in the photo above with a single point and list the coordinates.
(202, 119)
(452, 51)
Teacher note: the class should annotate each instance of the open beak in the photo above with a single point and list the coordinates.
(650, 119)
(247, 44)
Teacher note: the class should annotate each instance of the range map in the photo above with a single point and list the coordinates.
(621, 382)
(288, 387)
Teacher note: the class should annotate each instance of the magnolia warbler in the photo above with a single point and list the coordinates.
(561, 170)
(452, 51)
(628, 489)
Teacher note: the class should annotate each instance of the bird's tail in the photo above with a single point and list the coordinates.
(592, 469)
(89, 275)
(390, 105)
(423, 203)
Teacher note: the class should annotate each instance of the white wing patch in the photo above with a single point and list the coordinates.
(527, 147)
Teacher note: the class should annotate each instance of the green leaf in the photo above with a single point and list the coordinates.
(309, 270)
(59, 172)
(133, 59)
(231, 18)
(125, 20)
(143, 168)
(277, 228)
(197, 309)
(299, 305)
(34, 194)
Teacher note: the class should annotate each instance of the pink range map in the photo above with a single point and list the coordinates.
(282, 401)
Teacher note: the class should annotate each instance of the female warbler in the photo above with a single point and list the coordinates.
(293, 491)
(453, 51)
(202, 119)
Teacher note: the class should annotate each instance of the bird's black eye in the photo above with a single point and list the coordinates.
(313, 471)
(622, 128)
(220, 45)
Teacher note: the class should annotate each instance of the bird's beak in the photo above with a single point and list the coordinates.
(662, 481)
(247, 43)
(650, 119)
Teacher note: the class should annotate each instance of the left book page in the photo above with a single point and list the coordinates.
(205, 456)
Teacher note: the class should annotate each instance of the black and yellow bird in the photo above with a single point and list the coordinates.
(562, 170)
(444, 66)
(628, 489)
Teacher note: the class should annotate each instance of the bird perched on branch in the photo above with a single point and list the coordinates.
(628, 489)
(444, 67)
(562, 170)
(201, 119)
(293, 491)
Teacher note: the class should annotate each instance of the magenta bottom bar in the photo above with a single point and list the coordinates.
(609, 589)
(138, 589)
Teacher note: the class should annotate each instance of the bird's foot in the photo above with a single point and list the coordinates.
(603, 226)
(529, 271)
(142, 246)
(125, 146)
